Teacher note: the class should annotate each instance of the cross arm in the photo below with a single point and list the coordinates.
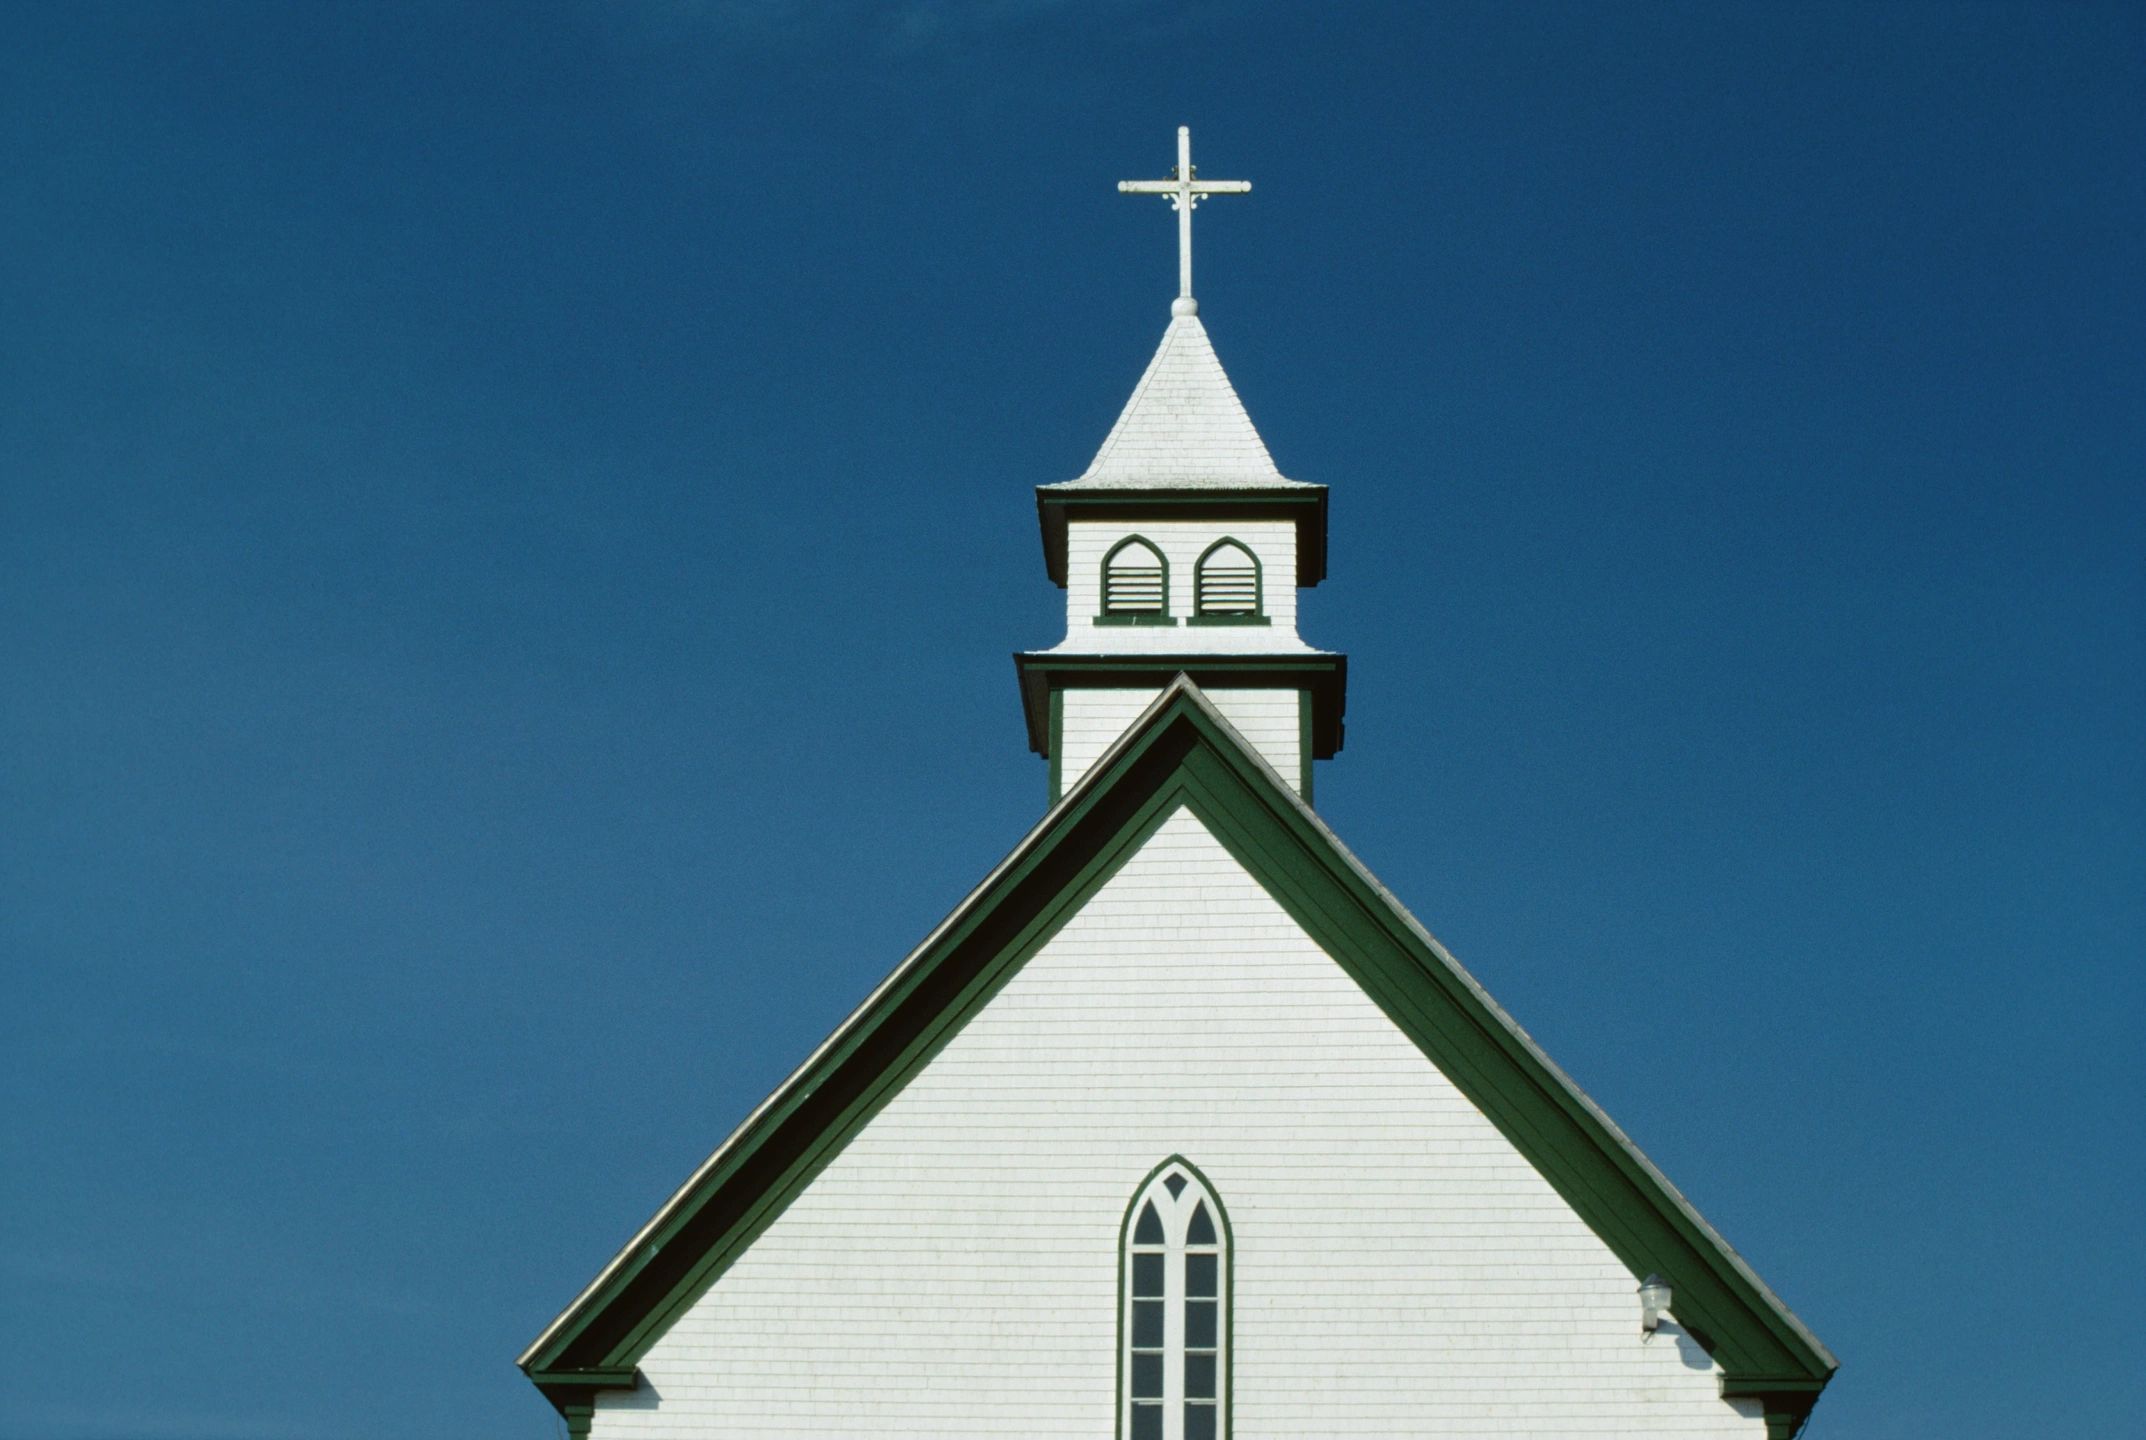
(1197, 187)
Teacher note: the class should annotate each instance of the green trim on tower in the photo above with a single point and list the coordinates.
(1258, 613)
(1134, 617)
(1057, 755)
(1181, 754)
(1322, 675)
(1304, 751)
(1303, 504)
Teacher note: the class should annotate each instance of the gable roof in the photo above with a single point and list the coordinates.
(1181, 753)
(1184, 427)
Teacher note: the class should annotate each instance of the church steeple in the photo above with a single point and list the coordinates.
(1184, 425)
(1181, 548)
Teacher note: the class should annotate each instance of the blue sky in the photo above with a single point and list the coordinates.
(513, 520)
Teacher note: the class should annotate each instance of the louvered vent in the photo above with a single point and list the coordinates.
(1133, 582)
(1227, 584)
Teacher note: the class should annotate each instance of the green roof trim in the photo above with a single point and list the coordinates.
(1305, 504)
(1323, 676)
(1183, 753)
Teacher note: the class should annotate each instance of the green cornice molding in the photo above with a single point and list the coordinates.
(1182, 754)
(1785, 1399)
(1304, 504)
(1322, 675)
(573, 1392)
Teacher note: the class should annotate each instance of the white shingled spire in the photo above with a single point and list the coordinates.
(1184, 426)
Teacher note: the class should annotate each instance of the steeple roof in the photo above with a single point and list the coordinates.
(1184, 427)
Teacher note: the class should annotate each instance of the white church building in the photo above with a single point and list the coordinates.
(1180, 1126)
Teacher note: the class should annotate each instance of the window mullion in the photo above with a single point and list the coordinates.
(1173, 1337)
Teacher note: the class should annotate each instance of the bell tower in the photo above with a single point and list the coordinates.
(1181, 549)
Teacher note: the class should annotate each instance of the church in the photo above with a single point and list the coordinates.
(1180, 1126)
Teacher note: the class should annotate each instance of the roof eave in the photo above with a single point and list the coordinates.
(1306, 504)
(1799, 1364)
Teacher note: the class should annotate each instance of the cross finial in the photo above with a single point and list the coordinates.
(1185, 193)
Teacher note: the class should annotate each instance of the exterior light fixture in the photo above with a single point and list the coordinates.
(1653, 1302)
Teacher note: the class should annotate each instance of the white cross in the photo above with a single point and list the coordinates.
(1185, 193)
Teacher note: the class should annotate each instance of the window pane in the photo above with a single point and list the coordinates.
(1199, 1377)
(1175, 1185)
(1199, 1324)
(1199, 1274)
(1147, 1324)
(1147, 1275)
(1149, 1230)
(1147, 1422)
(1147, 1377)
(1199, 1422)
(1202, 1229)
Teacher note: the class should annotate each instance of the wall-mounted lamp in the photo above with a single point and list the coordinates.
(1653, 1302)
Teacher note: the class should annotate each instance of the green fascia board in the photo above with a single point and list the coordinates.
(1182, 753)
(1322, 675)
(1304, 504)
(1786, 1400)
(617, 1377)
(573, 1392)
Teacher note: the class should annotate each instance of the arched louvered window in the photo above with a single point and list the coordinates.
(1226, 585)
(1136, 583)
(1173, 1371)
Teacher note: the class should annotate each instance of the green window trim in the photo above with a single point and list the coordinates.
(1228, 1298)
(1121, 615)
(1302, 506)
(1202, 614)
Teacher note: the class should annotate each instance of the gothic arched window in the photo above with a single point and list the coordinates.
(1173, 1368)
(1136, 584)
(1226, 585)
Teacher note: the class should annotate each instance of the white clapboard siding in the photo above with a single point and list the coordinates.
(1399, 1269)
(1268, 719)
(1093, 720)
(1181, 543)
(1090, 723)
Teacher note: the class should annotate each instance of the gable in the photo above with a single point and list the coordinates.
(1395, 1256)
(1182, 758)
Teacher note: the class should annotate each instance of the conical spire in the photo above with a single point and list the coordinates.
(1184, 427)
